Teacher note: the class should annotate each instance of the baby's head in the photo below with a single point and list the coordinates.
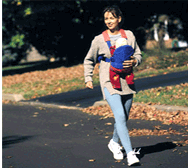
(122, 52)
(121, 42)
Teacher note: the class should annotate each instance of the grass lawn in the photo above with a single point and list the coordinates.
(169, 95)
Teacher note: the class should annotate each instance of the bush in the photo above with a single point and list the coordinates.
(15, 43)
(12, 56)
(162, 59)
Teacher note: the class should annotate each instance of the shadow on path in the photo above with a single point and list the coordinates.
(10, 140)
(155, 148)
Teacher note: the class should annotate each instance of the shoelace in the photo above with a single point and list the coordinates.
(138, 152)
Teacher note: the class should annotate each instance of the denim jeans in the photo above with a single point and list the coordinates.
(120, 106)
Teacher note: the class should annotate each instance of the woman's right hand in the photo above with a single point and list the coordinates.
(129, 63)
(89, 85)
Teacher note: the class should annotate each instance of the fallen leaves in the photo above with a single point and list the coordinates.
(8, 102)
(35, 114)
(171, 95)
(8, 157)
(181, 143)
(143, 112)
(108, 123)
(146, 112)
(150, 113)
(144, 132)
(62, 73)
(40, 83)
(103, 111)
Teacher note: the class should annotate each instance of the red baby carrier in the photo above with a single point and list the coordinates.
(116, 73)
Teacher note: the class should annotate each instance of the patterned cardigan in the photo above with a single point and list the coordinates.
(100, 48)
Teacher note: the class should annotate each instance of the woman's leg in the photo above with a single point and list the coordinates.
(118, 109)
(127, 102)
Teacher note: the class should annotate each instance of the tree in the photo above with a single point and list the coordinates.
(64, 29)
(14, 38)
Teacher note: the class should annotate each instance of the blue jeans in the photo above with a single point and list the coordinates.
(120, 106)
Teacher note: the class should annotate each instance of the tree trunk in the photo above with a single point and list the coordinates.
(161, 33)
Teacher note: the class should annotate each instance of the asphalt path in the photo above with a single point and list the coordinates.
(87, 97)
(37, 137)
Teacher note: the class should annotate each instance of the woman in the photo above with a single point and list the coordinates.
(120, 101)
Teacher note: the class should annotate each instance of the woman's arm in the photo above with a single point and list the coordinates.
(89, 64)
(137, 53)
(137, 56)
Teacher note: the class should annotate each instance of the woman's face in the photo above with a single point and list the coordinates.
(111, 22)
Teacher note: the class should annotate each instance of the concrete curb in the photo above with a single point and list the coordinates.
(49, 105)
(12, 97)
(19, 99)
(170, 108)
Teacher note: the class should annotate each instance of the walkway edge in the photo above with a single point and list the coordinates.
(18, 98)
(12, 97)
(50, 105)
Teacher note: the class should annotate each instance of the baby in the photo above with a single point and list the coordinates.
(120, 42)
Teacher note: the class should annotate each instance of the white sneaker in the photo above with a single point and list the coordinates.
(115, 148)
(132, 159)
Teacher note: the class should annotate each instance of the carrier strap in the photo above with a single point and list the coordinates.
(107, 38)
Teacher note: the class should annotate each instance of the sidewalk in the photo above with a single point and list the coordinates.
(35, 137)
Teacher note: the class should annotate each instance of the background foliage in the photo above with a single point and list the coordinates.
(64, 29)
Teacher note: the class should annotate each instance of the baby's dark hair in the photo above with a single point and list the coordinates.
(114, 9)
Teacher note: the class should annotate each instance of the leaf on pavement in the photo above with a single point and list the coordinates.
(108, 123)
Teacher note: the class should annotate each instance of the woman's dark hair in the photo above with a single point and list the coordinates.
(116, 12)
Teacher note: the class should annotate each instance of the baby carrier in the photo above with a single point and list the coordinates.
(118, 56)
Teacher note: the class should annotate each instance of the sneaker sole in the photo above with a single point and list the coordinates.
(134, 164)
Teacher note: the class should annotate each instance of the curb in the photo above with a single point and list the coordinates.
(50, 105)
(12, 97)
(19, 99)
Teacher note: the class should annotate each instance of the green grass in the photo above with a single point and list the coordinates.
(169, 95)
(19, 66)
(40, 88)
(161, 61)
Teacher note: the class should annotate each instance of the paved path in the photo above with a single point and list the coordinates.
(36, 137)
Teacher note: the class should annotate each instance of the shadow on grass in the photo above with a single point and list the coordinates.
(38, 66)
(10, 140)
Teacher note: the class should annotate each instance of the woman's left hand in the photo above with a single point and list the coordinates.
(129, 63)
